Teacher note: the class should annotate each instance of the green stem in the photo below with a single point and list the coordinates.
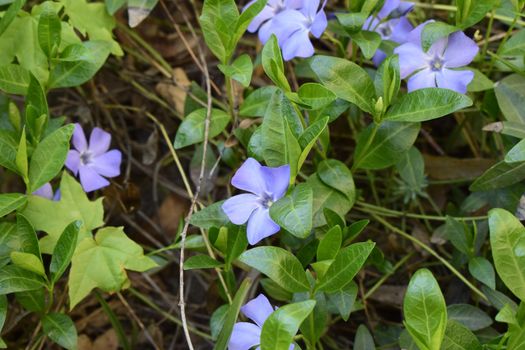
(431, 252)
(386, 276)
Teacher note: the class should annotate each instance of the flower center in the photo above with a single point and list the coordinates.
(86, 158)
(436, 64)
(385, 30)
(266, 201)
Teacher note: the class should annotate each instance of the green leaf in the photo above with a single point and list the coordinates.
(457, 234)
(515, 46)
(517, 153)
(425, 311)
(336, 175)
(368, 42)
(28, 262)
(507, 240)
(232, 314)
(510, 93)
(49, 156)
(352, 22)
(471, 12)
(191, 131)
(241, 69)
(279, 329)
(427, 104)
(236, 242)
(275, 291)
(73, 205)
(272, 62)
(60, 329)
(78, 63)
(10, 202)
(434, 31)
(327, 197)
(211, 216)
(16, 279)
(256, 104)
(201, 262)
(363, 339)
(387, 147)
(14, 79)
(8, 150)
(480, 82)
(469, 316)
(114, 5)
(49, 30)
(458, 337)
(10, 14)
(100, 262)
(21, 157)
(278, 264)
(482, 270)
(309, 137)
(346, 265)
(387, 80)
(411, 168)
(33, 300)
(293, 212)
(344, 299)
(64, 249)
(315, 95)
(278, 143)
(500, 175)
(37, 112)
(3, 310)
(330, 244)
(345, 79)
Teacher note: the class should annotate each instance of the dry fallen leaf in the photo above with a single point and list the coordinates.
(449, 168)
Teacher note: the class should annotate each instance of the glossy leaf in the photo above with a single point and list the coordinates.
(335, 174)
(363, 339)
(330, 244)
(469, 316)
(49, 30)
(210, 216)
(256, 103)
(500, 175)
(293, 212)
(272, 62)
(309, 137)
(16, 279)
(458, 337)
(29, 262)
(201, 262)
(14, 79)
(10, 202)
(191, 131)
(240, 70)
(315, 95)
(483, 271)
(510, 93)
(327, 197)
(64, 249)
(344, 299)
(471, 12)
(61, 329)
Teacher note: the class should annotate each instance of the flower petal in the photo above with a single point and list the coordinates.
(258, 309)
(244, 336)
(401, 27)
(460, 51)
(415, 35)
(239, 208)
(79, 138)
(388, 7)
(456, 80)
(310, 8)
(423, 79)
(287, 23)
(90, 180)
(277, 180)
(319, 24)
(266, 13)
(107, 164)
(249, 177)
(99, 141)
(378, 58)
(403, 8)
(45, 191)
(73, 161)
(438, 48)
(260, 226)
(298, 45)
(411, 58)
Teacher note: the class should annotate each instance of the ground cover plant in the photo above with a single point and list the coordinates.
(265, 174)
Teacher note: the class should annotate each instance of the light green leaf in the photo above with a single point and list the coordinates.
(10, 202)
(368, 42)
(480, 82)
(427, 104)
(114, 5)
(391, 141)
(336, 175)
(345, 79)
(507, 240)
(100, 262)
(3, 314)
(256, 104)
(211, 216)
(510, 93)
(327, 197)
(282, 325)
(232, 314)
(458, 337)
(330, 244)
(517, 153)
(11, 13)
(49, 157)
(346, 265)
(481, 269)
(434, 31)
(49, 30)
(241, 69)
(37, 111)
(425, 311)
(387, 80)
(293, 212)
(515, 46)
(21, 157)
(191, 131)
(309, 137)
(64, 249)
(201, 262)
(28, 262)
(8, 150)
(344, 299)
(16, 279)
(500, 175)
(73, 205)
(14, 79)
(315, 95)
(471, 12)
(272, 62)
(60, 329)
(278, 264)
(78, 63)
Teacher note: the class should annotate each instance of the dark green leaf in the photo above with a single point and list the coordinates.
(201, 262)
(434, 31)
(458, 337)
(469, 316)
(471, 12)
(309, 137)
(327, 197)
(344, 299)
(61, 329)
(211, 216)
(336, 175)
(481, 269)
(236, 242)
(367, 41)
(33, 300)
(64, 250)
(241, 70)
(510, 93)
(10, 202)
(15, 279)
(330, 244)
(293, 212)
(256, 104)
(363, 339)
(500, 175)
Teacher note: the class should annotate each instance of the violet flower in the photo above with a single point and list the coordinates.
(46, 191)
(267, 185)
(291, 21)
(435, 68)
(93, 162)
(246, 335)
(391, 24)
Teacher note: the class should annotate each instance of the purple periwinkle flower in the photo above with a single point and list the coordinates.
(291, 21)
(391, 23)
(436, 67)
(246, 335)
(266, 186)
(93, 162)
(46, 191)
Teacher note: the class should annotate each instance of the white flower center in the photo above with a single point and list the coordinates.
(436, 64)
(385, 30)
